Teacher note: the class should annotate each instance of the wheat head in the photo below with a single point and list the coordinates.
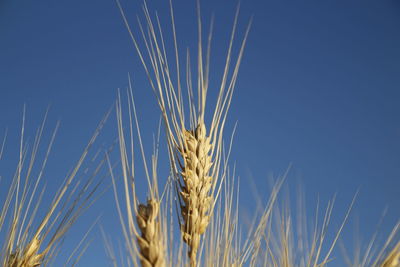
(195, 191)
(150, 245)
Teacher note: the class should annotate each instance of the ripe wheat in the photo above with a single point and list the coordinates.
(195, 155)
(195, 192)
(149, 241)
(30, 245)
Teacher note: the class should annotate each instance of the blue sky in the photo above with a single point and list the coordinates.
(319, 88)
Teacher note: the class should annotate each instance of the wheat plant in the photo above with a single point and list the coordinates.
(144, 239)
(30, 240)
(194, 151)
(200, 195)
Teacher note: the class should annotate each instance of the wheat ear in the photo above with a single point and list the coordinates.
(195, 192)
(149, 240)
(149, 246)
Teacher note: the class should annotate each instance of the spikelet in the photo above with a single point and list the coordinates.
(151, 249)
(195, 193)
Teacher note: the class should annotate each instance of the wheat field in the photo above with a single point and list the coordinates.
(174, 192)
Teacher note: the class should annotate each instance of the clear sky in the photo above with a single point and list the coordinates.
(319, 88)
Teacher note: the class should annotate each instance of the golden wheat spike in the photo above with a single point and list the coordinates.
(195, 193)
(150, 245)
(145, 240)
